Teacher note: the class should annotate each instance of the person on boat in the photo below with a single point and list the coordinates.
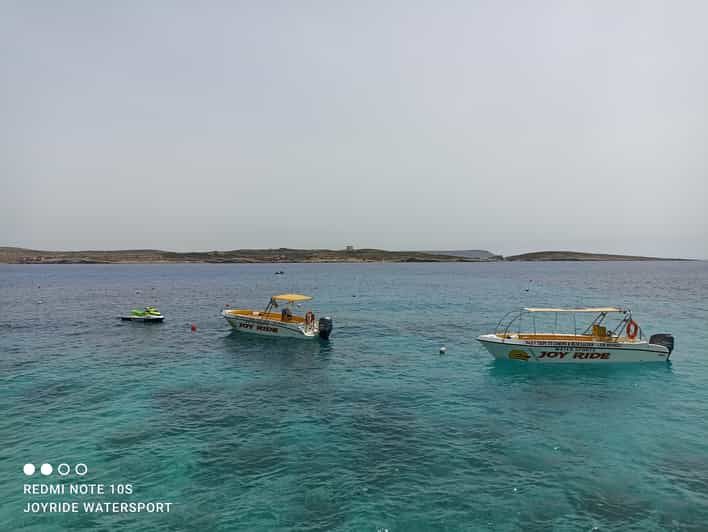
(286, 314)
(309, 319)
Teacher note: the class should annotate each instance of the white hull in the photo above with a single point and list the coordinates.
(572, 352)
(263, 327)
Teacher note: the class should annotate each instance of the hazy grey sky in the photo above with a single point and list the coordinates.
(507, 125)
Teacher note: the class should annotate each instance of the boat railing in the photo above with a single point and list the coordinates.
(559, 337)
(595, 331)
(567, 337)
(500, 330)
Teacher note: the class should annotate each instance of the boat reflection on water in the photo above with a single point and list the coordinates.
(277, 352)
(510, 369)
(576, 395)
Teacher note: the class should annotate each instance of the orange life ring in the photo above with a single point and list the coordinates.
(632, 329)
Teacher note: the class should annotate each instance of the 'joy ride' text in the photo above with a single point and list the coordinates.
(263, 328)
(579, 355)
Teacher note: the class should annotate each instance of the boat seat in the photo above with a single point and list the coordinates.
(599, 331)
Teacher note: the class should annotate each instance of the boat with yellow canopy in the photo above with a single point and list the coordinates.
(519, 337)
(282, 322)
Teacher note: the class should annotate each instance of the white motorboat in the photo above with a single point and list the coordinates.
(283, 323)
(517, 338)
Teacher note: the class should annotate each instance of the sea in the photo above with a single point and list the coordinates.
(374, 430)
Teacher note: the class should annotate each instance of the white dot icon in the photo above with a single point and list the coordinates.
(46, 469)
(28, 469)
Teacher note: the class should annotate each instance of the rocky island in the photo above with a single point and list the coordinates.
(29, 256)
(15, 255)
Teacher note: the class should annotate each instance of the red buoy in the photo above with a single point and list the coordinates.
(194, 328)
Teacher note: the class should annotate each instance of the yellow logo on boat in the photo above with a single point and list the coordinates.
(518, 354)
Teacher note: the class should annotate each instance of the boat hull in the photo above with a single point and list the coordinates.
(144, 319)
(570, 352)
(262, 327)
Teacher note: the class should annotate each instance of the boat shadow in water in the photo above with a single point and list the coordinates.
(549, 390)
(529, 371)
(281, 352)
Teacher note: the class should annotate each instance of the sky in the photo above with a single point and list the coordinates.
(511, 126)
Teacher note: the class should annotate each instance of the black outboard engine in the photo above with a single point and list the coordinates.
(665, 339)
(325, 327)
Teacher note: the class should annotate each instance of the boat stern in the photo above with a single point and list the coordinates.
(665, 340)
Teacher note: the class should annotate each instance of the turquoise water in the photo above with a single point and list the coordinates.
(373, 430)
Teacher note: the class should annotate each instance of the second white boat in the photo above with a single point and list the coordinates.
(595, 344)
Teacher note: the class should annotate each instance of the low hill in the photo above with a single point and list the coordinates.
(13, 255)
(30, 256)
(577, 256)
(475, 254)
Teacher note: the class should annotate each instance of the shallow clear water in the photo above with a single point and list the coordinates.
(373, 430)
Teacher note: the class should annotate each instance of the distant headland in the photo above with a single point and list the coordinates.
(578, 256)
(14, 255)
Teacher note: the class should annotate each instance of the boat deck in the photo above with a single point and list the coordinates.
(550, 337)
(270, 316)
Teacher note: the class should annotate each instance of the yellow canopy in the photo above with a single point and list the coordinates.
(291, 298)
(591, 309)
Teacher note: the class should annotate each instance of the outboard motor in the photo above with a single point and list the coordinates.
(665, 339)
(325, 327)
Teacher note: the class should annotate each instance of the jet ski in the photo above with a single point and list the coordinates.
(148, 315)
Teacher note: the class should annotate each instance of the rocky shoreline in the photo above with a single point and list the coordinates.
(283, 255)
(13, 255)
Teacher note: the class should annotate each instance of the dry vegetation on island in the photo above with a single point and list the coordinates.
(14, 255)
